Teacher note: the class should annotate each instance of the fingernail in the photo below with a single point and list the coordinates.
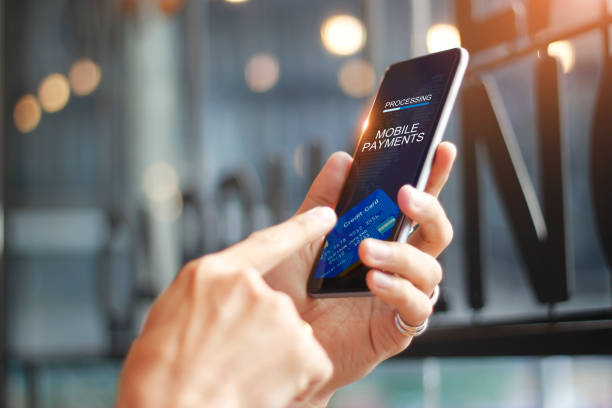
(381, 280)
(325, 214)
(416, 198)
(377, 249)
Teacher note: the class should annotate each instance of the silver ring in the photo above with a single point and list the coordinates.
(408, 330)
(435, 295)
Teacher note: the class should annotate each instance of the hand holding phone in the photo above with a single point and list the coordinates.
(397, 145)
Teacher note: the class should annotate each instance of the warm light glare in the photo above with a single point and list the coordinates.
(54, 92)
(261, 72)
(343, 34)
(365, 124)
(442, 37)
(84, 77)
(236, 1)
(564, 52)
(26, 114)
(357, 78)
(171, 7)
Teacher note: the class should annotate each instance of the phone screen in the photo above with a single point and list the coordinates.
(390, 153)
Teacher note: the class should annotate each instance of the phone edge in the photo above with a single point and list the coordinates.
(407, 227)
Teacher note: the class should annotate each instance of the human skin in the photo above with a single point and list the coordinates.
(220, 336)
(359, 332)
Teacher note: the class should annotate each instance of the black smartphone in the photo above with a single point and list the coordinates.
(397, 145)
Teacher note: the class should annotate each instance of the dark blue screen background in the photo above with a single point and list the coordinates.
(387, 169)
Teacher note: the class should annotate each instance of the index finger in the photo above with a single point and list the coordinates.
(265, 249)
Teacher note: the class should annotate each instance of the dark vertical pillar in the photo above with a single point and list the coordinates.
(537, 232)
(471, 203)
(601, 161)
(552, 156)
(2, 204)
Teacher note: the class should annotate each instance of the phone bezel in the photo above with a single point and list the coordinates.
(404, 227)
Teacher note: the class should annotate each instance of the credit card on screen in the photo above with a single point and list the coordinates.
(373, 217)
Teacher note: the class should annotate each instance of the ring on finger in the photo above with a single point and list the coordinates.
(435, 295)
(409, 330)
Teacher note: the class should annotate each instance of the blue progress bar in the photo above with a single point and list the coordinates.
(406, 107)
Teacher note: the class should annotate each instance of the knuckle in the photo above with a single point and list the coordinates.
(425, 309)
(208, 264)
(448, 232)
(197, 271)
(437, 272)
(245, 277)
(418, 307)
(190, 266)
(243, 284)
(431, 203)
(302, 221)
(326, 369)
(283, 302)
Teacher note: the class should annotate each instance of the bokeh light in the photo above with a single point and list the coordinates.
(298, 160)
(160, 183)
(236, 1)
(564, 52)
(54, 92)
(27, 113)
(261, 72)
(171, 7)
(356, 78)
(84, 77)
(442, 37)
(343, 34)
(168, 210)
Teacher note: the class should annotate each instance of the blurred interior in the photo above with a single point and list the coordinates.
(140, 134)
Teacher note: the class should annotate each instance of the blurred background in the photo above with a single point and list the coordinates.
(139, 134)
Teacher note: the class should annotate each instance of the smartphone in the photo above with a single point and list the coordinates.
(396, 147)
